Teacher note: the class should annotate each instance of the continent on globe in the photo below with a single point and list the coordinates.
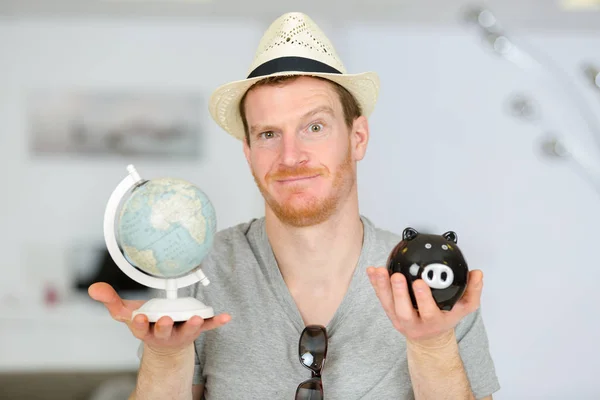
(166, 227)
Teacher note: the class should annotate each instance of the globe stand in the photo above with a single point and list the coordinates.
(177, 308)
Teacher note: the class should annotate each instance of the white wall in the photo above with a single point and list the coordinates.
(50, 205)
(443, 155)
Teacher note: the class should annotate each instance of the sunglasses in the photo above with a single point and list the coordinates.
(312, 350)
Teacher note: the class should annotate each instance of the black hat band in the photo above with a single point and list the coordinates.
(283, 64)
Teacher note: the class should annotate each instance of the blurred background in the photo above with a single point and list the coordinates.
(487, 124)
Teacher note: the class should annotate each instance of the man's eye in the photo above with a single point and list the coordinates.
(316, 127)
(267, 135)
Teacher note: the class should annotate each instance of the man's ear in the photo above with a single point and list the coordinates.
(360, 137)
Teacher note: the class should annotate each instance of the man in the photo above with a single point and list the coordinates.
(312, 260)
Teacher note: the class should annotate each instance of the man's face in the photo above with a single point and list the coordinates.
(302, 154)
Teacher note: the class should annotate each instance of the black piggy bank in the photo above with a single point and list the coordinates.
(437, 260)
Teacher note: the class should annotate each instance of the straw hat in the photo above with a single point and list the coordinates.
(292, 45)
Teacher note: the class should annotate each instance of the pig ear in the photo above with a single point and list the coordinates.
(409, 234)
(450, 236)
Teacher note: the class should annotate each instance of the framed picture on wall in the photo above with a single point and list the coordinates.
(115, 123)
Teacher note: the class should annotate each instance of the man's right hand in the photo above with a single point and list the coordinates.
(162, 337)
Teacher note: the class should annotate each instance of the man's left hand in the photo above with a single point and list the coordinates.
(429, 325)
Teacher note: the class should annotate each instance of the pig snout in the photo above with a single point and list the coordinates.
(438, 276)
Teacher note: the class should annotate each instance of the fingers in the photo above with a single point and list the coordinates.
(101, 292)
(216, 322)
(105, 294)
(429, 321)
(405, 312)
(381, 283)
(394, 296)
(196, 325)
(165, 331)
(140, 327)
(471, 299)
(428, 308)
(163, 328)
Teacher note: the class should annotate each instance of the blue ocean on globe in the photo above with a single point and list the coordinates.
(166, 227)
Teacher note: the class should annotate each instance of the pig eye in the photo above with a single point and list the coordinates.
(428, 245)
(444, 247)
(414, 269)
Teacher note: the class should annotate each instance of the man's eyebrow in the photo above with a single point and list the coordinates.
(261, 128)
(318, 110)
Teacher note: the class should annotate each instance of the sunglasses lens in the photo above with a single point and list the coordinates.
(311, 389)
(313, 348)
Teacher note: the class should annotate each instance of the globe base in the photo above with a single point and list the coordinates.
(179, 309)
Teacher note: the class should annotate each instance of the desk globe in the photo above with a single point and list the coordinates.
(158, 232)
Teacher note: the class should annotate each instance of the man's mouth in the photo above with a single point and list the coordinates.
(292, 179)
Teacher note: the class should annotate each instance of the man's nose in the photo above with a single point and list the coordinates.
(292, 152)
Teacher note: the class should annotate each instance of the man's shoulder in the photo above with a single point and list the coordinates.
(383, 239)
(234, 242)
(236, 233)
(387, 237)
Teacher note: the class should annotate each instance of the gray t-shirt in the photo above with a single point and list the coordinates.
(255, 355)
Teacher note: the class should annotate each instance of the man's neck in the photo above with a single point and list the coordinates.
(318, 255)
